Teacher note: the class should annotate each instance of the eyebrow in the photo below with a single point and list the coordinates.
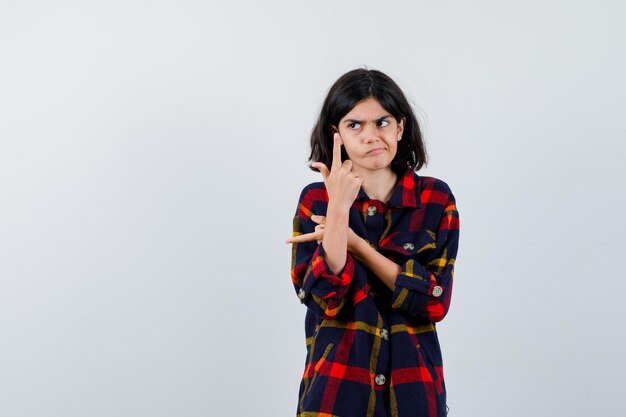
(361, 121)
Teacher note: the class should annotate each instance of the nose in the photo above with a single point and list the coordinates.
(370, 133)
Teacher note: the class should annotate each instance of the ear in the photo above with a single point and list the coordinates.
(334, 129)
(401, 127)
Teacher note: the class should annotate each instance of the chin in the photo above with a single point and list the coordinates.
(377, 167)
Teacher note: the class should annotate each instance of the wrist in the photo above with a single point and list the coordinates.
(357, 246)
(338, 210)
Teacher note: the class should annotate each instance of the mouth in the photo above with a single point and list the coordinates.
(375, 151)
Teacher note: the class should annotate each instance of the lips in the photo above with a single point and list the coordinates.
(375, 151)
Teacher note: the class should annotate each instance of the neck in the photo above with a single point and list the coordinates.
(379, 184)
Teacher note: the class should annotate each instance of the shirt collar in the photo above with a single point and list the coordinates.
(406, 192)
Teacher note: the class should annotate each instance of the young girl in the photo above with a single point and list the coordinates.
(373, 255)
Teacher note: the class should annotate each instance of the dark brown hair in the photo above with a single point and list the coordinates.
(353, 87)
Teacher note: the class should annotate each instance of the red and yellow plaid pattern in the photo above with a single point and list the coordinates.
(373, 352)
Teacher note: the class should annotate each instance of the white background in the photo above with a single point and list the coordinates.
(152, 154)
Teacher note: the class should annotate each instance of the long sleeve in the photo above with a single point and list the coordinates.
(426, 290)
(323, 291)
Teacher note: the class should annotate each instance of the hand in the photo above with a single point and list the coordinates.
(342, 185)
(318, 234)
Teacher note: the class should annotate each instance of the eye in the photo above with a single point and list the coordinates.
(354, 125)
(383, 123)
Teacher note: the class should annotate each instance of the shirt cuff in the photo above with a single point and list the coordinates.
(334, 285)
(417, 279)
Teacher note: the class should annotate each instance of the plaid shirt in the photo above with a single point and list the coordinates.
(372, 351)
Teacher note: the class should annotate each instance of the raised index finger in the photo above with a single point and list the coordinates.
(336, 152)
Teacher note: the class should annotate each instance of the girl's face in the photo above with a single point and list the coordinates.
(370, 136)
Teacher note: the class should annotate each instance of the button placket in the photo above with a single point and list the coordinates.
(374, 221)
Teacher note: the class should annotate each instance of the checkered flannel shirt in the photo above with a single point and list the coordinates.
(373, 352)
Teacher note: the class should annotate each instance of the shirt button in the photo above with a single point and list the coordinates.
(408, 246)
(437, 291)
(380, 379)
(371, 210)
(384, 334)
(301, 294)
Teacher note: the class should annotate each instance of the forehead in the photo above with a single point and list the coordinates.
(366, 109)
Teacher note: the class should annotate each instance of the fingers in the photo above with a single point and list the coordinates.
(336, 164)
(318, 234)
(322, 168)
(297, 239)
(318, 219)
(307, 237)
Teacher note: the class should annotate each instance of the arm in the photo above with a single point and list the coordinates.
(384, 268)
(335, 239)
(315, 282)
(426, 290)
(342, 187)
(322, 272)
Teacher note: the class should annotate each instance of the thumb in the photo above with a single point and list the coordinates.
(322, 168)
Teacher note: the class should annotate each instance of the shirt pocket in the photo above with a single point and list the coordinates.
(410, 244)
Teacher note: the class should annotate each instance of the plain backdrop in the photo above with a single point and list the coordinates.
(151, 158)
